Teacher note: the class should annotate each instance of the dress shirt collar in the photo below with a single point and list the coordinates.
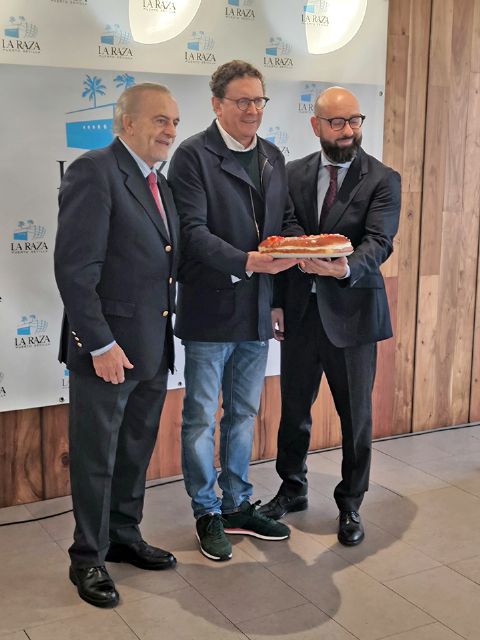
(233, 144)
(142, 165)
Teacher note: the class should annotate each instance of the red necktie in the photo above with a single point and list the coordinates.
(331, 191)
(152, 183)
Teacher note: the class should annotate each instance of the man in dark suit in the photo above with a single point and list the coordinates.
(115, 265)
(231, 192)
(333, 312)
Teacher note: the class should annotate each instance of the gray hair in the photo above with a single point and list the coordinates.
(127, 103)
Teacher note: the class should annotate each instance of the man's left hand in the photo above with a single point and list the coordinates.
(336, 268)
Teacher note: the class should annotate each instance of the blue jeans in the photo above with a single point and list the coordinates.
(237, 369)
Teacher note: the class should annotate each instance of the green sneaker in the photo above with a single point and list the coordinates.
(214, 544)
(248, 521)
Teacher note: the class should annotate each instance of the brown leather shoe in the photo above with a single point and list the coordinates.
(95, 586)
(141, 555)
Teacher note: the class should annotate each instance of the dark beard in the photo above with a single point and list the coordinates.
(338, 155)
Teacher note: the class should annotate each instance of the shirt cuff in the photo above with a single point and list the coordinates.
(99, 352)
(347, 275)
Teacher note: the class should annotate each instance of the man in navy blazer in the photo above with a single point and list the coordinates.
(231, 191)
(334, 312)
(115, 264)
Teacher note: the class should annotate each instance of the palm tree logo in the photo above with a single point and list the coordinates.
(92, 87)
(124, 80)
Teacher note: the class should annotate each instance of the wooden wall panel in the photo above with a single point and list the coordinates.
(404, 134)
(55, 461)
(449, 232)
(20, 457)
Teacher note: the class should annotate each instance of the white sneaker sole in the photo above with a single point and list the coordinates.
(254, 534)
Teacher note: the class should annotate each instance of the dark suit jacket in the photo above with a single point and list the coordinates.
(213, 194)
(114, 263)
(353, 311)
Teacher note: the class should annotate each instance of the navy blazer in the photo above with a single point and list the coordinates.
(115, 265)
(213, 194)
(367, 209)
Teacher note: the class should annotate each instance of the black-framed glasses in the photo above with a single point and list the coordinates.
(243, 103)
(338, 124)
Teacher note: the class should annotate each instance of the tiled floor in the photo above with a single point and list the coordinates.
(415, 577)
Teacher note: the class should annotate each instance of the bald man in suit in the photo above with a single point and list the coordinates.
(333, 312)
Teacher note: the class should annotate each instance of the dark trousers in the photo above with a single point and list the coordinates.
(350, 374)
(112, 433)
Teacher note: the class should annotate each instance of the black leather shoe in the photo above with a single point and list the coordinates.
(281, 505)
(141, 555)
(95, 586)
(350, 528)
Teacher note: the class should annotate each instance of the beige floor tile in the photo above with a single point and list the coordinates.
(59, 527)
(462, 471)
(264, 478)
(300, 545)
(445, 595)
(400, 477)
(133, 583)
(358, 603)
(183, 615)
(305, 622)
(411, 449)
(14, 514)
(454, 441)
(49, 507)
(469, 568)
(435, 631)
(35, 587)
(17, 635)
(94, 624)
(443, 526)
(383, 556)
(240, 588)
(21, 536)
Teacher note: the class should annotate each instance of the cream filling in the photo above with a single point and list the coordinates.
(305, 248)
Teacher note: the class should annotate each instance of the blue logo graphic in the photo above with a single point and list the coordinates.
(200, 41)
(31, 325)
(65, 379)
(91, 127)
(113, 35)
(309, 92)
(20, 28)
(28, 230)
(240, 3)
(276, 136)
(277, 47)
(315, 6)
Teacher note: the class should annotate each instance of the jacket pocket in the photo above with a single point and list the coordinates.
(118, 308)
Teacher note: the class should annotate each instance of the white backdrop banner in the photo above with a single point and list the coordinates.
(63, 64)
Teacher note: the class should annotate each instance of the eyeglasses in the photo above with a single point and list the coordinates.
(338, 124)
(244, 103)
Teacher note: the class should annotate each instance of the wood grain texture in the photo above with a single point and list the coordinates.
(55, 460)
(20, 457)
(445, 349)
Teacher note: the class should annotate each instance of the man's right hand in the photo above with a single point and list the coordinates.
(263, 263)
(111, 365)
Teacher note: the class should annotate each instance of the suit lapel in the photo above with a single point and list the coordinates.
(349, 188)
(170, 210)
(138, 186)
(309, 183)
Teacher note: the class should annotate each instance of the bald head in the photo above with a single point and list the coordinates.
(335, 99)
(337, 123)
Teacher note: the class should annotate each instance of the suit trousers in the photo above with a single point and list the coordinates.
(112, 433)
(350, 373)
